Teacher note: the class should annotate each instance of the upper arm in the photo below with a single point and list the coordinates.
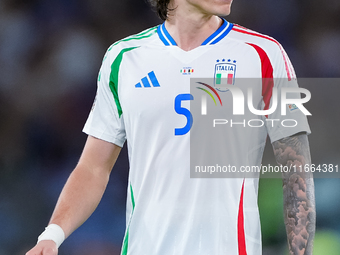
(99, 155)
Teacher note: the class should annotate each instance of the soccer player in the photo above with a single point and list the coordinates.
(143, 91)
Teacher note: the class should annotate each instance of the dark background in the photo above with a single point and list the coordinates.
(50, 54)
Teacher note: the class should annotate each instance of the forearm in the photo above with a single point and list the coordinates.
(79, 198)
(298, 193)
(80, 195)
(86, 185)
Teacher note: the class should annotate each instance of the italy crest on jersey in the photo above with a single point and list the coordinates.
(224, 73)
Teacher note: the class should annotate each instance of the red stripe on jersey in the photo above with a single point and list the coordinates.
(240, 226)
(249, 32)
(236, 25)
(267, 76)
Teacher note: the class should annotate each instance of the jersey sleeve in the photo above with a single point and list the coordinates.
(104, 121)
(295, 121)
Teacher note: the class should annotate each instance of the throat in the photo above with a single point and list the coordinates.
(189, 34)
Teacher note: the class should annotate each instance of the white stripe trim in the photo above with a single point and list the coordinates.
(164, 35)
(220, 34)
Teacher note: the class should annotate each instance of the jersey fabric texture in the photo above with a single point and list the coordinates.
(167, 211)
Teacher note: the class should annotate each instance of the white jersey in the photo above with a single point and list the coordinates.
(167, 211)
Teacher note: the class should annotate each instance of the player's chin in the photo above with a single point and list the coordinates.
(224, 7)
(225, 11)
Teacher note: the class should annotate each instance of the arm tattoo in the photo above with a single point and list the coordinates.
(298, 193)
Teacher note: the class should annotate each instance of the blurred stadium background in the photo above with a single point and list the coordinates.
(50, 53)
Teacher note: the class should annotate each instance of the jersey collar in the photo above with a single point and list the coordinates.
(217, 36)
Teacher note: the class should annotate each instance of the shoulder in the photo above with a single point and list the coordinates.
(133, 41)
(266, 47)
(118, 50)
(248, 36)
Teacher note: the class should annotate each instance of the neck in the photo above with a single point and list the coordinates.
(190, 29)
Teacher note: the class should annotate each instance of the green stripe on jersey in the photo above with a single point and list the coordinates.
(126, 237)
(145, 34)
(132, 198)
(114, 77)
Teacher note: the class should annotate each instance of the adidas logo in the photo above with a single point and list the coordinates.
(148, 81)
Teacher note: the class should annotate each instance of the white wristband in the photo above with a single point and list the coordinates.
(53, 232)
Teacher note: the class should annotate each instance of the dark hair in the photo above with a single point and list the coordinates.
(161, 7)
